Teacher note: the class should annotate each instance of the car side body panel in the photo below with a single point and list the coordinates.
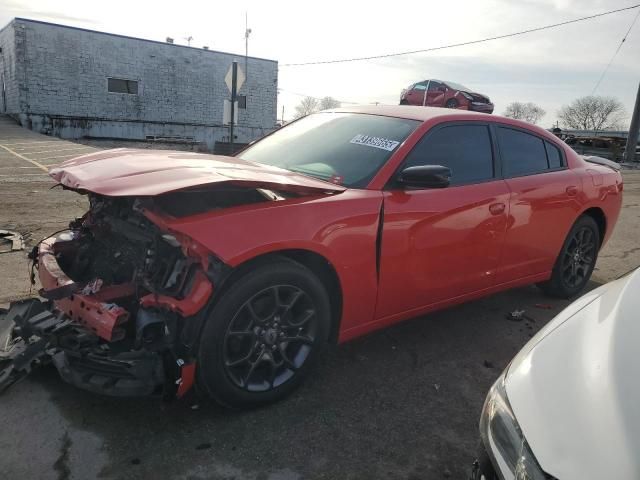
(540, 216)
(440, 243)
(342, 228)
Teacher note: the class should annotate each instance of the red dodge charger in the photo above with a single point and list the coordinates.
(232, 273)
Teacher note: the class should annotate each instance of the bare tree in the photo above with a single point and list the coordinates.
(529, 112)
(593, 113)
(327, 103)
(307, 106)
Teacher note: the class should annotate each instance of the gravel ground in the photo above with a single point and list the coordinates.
(402, 403)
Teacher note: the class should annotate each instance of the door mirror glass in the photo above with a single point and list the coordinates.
(425, 176)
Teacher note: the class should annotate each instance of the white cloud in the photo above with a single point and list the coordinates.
(550, 67)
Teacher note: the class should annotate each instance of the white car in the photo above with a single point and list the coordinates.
(568, 405)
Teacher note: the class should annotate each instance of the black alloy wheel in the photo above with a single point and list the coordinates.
(269, 338)
(576, 261)
(264, 334)
(451, 103)
(579, 257)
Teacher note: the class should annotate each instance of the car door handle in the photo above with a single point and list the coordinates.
(497, 208)
(572, 190)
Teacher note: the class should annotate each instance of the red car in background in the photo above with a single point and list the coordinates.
(438, 93)
(233, 273)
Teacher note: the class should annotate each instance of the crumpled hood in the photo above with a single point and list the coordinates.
(575, 387)
(478, 97)
(123, 172)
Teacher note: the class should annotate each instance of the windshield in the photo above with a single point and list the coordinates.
(343, 148)
(457, 86)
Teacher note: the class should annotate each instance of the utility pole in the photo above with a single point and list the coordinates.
(634, 129)
(424, 99)
(234, 82)
(247, 32)
(282, 117)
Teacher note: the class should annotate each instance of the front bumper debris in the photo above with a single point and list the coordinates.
(24, 332)
(33, 335)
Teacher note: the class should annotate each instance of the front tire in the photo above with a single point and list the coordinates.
(576, 261)
(451, 103)
(264, 335)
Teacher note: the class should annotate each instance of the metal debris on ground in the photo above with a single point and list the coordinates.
(516, 315)
(10, 241)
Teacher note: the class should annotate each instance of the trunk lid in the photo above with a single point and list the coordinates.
(132, 172)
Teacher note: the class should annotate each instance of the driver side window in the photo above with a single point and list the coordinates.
(465, 149)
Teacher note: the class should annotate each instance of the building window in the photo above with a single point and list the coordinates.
(242, 101)
(120, 85)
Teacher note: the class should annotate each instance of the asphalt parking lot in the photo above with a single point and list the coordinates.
(402, 403)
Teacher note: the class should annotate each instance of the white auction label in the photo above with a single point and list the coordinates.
(376, 142)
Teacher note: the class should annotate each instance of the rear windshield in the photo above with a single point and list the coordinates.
(343, 148)
(457, 86)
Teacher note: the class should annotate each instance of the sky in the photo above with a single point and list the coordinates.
(550, 68)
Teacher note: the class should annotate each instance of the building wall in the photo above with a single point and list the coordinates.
(10, 70)
(180, 89)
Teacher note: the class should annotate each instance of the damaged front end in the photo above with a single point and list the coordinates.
(117, 294)
(124, 296)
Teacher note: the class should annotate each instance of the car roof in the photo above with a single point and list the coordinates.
(424, 114)
(410, 112)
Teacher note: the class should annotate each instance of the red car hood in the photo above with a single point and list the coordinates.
(124, 172)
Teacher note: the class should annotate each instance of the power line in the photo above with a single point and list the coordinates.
(316, 98)
(615, 54)
(471, 42)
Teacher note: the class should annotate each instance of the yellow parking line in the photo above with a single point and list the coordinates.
(10, 168)
(32, 162)
(73, 149)
(23, 175)
(69, 156)
(33, 143)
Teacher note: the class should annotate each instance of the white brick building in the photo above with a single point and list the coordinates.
(72, 82)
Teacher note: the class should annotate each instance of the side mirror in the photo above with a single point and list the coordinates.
(425, 176)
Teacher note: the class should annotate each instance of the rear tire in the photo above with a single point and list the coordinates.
(451, 103)
(404, 102)
(264, 335)
(576, 261)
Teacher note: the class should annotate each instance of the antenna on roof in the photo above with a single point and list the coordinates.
(188, 39)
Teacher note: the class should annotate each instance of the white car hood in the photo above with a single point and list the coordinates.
(575, 387)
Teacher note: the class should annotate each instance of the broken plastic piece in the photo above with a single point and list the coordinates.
(10, 241)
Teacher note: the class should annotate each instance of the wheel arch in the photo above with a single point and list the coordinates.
(318, 264)
(600, 218)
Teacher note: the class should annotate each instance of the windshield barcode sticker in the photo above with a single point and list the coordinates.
(375, 142)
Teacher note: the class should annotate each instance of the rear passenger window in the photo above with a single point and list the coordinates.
(522, 154)
(465, 149)
(553, 156)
